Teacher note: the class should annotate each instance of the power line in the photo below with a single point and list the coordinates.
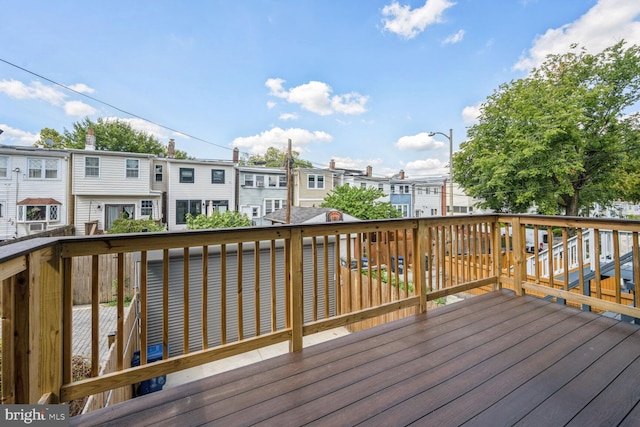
(40, 76)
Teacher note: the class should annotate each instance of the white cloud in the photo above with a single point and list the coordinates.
(12, 136)
(278, 138)
(426, 167)
(454, 38)
(361, 164)
(604, 24)
(409, 23)
(470, 113)
(419, 142)
(271, 104)
(149, 128)
(36, 90)
(82, 88)
(316, 97)
(288, 116)
(78, 109)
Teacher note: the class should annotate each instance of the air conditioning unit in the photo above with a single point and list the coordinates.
(38, 226)
(259, 184)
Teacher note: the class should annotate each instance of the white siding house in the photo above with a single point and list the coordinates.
(261, 191)
(109, 185)
(198, 186)
(33, 190)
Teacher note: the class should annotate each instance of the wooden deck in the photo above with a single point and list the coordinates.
(492, 360)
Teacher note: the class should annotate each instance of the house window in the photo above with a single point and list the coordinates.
(434, 212)
(427, 190)
(393, 189)
(404, 189)
(217, 176)
(283, 180)
(381, 187)
(403, 209)
(255, 211)
(42, 168)
(1, 210)
(187, 175)
(4, 167)
(183, 207)
(92, 167)
(146, 208)
(259, 180)
(271, 205)
(158, 173)
(435, 190)
(218, 205)
(419, 190)
(132, 167)
(315, 181)
(113, 212)
(29, 213)
(273, 181)
(363, 185)
(248, 180)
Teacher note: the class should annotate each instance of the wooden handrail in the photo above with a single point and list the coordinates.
(305, 288)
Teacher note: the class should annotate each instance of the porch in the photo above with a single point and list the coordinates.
(203, 296)
(496, 359)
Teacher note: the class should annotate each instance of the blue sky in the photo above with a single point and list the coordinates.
(358, 81)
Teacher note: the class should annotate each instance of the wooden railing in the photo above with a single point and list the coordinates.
(208, 295)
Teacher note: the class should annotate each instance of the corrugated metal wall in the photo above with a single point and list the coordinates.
(176, 297)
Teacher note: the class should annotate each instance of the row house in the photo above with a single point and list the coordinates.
(262, 190)
(33, 195)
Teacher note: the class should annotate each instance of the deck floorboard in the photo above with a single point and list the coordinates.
(496, 359)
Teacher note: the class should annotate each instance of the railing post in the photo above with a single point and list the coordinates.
(419, 273)
(496, 252)
(518, 257)
(37, 327)
(296, 274)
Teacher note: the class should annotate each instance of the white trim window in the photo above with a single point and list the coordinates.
(92, 167)
(4, 167)
(403, 209)
(315, 181)
(38, 213)
(271, 205)
(42, 168)
(146, 209)
(132, 167)
(248, 180)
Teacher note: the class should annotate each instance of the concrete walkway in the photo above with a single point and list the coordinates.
(81, 342)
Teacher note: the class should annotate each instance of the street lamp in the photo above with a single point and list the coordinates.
(450, 137)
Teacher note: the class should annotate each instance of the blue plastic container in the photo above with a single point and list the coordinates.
(154, 353)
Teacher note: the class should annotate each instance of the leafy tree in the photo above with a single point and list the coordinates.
(359, 202)
(111, 135)
(227, 219)
(275, 158)
(557, 138)
(125, 225)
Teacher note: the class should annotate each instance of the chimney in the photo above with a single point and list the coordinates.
(332, 164)
(236, 155)
(401, 174)
(90, 141)
(172, 148)
(369, 171)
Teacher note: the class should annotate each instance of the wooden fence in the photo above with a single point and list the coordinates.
(107, 276)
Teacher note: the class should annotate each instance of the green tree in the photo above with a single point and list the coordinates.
(227, 219)
(275, 158)
(126, 225)
(362, 203)
(557, 138)
(111, 135)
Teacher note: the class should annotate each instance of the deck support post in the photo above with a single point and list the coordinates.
(296, 274)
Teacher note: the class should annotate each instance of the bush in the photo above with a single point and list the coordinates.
(125, 225)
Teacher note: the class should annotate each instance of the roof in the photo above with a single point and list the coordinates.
(38, 201)
(301, 215)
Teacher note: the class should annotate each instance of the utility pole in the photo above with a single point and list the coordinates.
(288, 163)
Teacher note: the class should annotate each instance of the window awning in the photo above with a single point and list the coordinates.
(32, 201)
